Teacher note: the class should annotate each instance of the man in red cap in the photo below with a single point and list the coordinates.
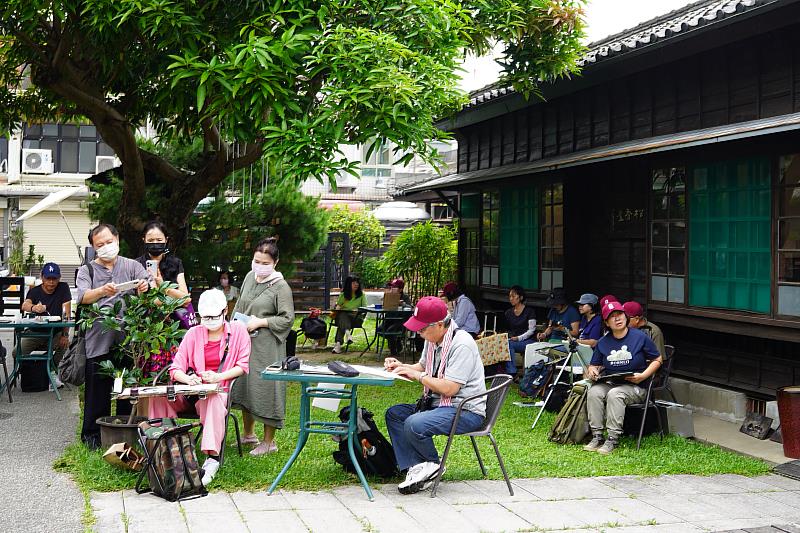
(449, 370)
(639, 321)
(624, 352)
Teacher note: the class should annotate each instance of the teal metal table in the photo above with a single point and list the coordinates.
(309, 390)
(43, 330)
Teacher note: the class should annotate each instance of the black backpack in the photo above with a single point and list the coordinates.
(374, 453)
(314, 328)
(535, 378)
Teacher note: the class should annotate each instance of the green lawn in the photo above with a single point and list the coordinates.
(527, 452)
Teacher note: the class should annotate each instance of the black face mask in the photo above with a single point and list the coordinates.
(154, 249)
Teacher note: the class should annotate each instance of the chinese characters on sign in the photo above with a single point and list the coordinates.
(628, 222)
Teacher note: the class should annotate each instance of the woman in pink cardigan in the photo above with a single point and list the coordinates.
(216, 351)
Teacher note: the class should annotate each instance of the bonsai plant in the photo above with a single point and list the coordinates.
(151, 335)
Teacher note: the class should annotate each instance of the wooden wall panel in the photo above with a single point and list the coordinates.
(743, 81)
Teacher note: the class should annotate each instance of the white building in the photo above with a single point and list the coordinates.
(42, 159)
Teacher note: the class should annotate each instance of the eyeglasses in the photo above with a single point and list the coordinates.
(426, 327)
(211, 317)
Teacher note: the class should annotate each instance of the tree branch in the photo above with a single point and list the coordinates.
(161, 167)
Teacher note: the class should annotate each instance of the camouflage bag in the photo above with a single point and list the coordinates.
(172, 468)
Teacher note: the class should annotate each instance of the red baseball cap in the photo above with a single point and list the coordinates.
(633, 309)
(611, 307)
(607, 298)
(429, 310)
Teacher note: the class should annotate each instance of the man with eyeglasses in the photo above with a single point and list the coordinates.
(449, 370)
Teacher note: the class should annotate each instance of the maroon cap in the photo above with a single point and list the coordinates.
(610, 307)
(633, 309)
(450, 287)
(607, 298)
(429, 310)
(397, 283)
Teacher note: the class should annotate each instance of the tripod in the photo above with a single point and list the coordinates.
(573, 353)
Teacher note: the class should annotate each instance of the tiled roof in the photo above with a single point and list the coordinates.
(678, 22)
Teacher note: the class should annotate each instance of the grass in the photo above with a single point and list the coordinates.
(527, 452)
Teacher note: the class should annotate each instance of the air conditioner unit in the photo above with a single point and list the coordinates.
(105, 162)
(37, 161)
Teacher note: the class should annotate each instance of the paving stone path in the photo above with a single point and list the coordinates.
(34, 430)
(629, 504)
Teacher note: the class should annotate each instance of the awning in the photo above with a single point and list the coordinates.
(649, 145)
(49, 201)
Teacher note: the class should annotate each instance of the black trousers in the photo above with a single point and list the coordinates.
(97, 399)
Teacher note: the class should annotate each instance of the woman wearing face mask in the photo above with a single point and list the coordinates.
(267, 299)
(231, 292)
(216, 351)
(169, 268)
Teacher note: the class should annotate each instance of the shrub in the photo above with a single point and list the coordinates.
(372, 271)
(425, 256)
(365, 231)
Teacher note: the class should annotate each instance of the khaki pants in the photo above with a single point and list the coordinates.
(30, 344)
(606, 403)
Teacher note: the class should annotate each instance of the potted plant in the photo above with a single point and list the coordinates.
(151, 338)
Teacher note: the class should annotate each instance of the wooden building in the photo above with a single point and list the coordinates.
(668, 172)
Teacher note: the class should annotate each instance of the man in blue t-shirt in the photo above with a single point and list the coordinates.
(562, 318)
(622, 350)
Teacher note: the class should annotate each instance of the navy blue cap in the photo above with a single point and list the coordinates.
(51, 270)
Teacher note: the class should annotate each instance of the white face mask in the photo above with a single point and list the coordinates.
(212, 324)
(108, 252)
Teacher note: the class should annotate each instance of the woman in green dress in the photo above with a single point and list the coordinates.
(267, 299)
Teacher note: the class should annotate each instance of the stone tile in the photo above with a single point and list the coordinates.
(686, 484)
(633, 511)
(749, 506)
(314, 500)
(109, 523)
(685, 508)
(259, 501)
(354, 497)
(107, 502)
(668, 528)
(748, 484)
(492, 517)
(552, 514)
(270, 521)
(215, 502)
(630, 485)
(150, 523)
(436, 515)
(461, 493)
(497, 491)
(734, 524)
(780, 482)
(228, 521)
(785, 497)
(147, 503)
(568, 488)
(403, 500)
(323, 520)
(386, 519)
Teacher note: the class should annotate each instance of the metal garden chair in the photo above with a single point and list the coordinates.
(495, 397)
(660, 382)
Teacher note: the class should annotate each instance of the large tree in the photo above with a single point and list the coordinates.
(284, 80)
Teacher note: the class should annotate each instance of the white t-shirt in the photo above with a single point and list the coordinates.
(464, 366)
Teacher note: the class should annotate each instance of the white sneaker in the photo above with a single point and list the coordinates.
(347, 337)
(337, 348)
(210, 468)
(418, 477)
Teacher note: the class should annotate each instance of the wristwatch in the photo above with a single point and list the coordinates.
(422, 375)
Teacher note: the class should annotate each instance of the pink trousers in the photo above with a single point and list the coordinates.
(212, 413)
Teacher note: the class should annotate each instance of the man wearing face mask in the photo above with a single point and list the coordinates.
(216, 351)
(99, 286)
